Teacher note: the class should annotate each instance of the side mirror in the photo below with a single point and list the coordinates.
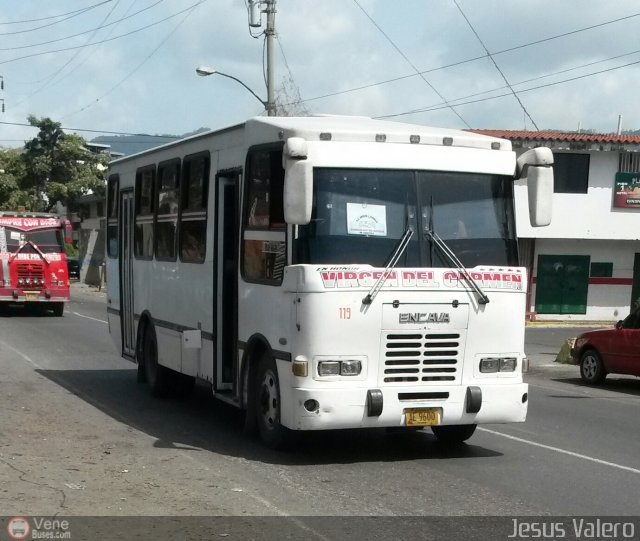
(540, 191)
(535, 166)
(298, 191)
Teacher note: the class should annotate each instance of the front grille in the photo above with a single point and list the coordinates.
(30, 276)
(422, 357)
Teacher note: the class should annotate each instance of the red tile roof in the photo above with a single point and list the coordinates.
(561, 136)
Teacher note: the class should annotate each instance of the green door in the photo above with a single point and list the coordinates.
(562, 284)
(635, 288)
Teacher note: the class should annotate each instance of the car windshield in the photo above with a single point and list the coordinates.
(47, 241)
(359, 215)
(632, 321)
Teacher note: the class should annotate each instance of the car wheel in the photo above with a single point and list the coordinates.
(453, 434)
(591, 367)
(157, 375)
(267, 404)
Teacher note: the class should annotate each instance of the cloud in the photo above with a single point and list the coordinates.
(330, 47)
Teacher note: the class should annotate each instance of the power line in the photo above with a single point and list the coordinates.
(82, 10)
(437, 107)
(93, 131)
(468, 60)
(46, 25)
(574, 68)
(164, 40)
(156, 23)
(421, 75)
(73, 57)
(495, 64)
(91, 31)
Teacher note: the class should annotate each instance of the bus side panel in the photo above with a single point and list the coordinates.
(113, 303)
(169, 347)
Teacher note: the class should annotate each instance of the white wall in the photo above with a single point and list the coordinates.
(584, 216)
(605, 302)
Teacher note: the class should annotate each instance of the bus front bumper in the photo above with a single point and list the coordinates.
(348, 407)
(19, 295)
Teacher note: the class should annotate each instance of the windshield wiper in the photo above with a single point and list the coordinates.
(451, 256)
(37, 250)
(393, 261)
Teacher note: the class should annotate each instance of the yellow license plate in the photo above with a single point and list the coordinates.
(32, 295)
(422, 416)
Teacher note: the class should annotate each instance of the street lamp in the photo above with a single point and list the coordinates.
(205, 71)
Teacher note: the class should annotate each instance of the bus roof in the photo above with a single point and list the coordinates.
(347, 128)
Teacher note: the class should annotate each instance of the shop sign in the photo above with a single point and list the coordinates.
(627, 190)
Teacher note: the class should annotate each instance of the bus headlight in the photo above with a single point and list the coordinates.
(489, 364)
(498, 364)
(508, 364)
(349, 367)
(329, 368)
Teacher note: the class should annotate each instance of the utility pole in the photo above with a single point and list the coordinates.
(255, 21)
(270, 33)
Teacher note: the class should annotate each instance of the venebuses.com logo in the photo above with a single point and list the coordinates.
(18, 528)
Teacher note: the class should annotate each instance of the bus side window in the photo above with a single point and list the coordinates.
(168, 192)
(144, 204)
(193, 215)
(264, 257)
(112, 215)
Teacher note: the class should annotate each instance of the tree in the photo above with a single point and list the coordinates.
(12, 174)
(59, 167)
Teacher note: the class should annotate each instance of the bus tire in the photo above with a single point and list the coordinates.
(182, 385)
(267, 404)
(58, 308)
(157, 375)
(453, 434)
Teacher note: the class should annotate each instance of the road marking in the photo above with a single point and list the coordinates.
(25, 357)
(89, 317)
(563, 451)
(274, 508)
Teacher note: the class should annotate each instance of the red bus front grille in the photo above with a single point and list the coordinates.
(30, 276)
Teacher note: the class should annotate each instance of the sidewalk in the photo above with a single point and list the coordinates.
(570, 323)
(85, 291)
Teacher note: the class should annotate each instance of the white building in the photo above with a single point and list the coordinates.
(586, 264)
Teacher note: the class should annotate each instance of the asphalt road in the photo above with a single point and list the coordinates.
(78, 436)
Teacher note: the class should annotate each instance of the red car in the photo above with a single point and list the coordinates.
(609, 351)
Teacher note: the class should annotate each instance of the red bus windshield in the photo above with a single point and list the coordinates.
(48, 241)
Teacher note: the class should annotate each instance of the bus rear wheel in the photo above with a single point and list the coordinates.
(57, 308)
(453, 434)
(267, 404)
(157, 375)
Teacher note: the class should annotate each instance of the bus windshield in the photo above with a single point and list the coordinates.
(359, 215)
(48, 241)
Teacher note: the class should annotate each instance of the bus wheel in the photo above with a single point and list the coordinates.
(453, 434)
(156, 374)
(267, 402)
(58, 308)
(183, 385)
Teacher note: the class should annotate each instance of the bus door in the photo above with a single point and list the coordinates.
(226, 279)
(127, 320)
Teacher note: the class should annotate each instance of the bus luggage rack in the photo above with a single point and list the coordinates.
(421, 358)
(30, 276)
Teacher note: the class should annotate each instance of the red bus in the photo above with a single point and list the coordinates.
(33, 263)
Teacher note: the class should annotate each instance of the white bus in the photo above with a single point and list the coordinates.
(327, 272)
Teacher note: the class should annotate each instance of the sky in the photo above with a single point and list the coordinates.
(129, 65)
